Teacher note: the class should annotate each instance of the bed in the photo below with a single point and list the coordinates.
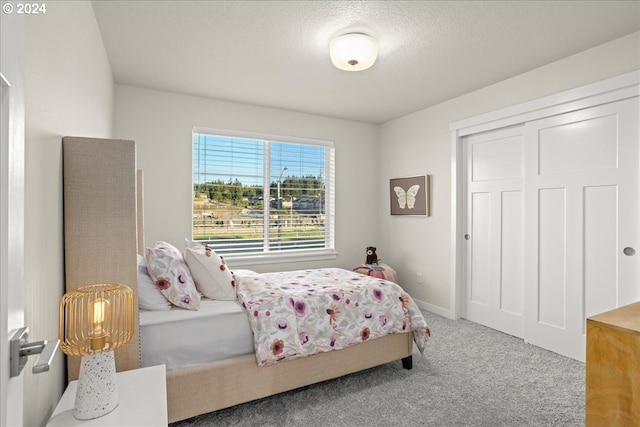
(103, 238)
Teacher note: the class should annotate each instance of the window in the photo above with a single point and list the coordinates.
(263, 198)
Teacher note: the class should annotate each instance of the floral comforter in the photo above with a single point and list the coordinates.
(300, 313)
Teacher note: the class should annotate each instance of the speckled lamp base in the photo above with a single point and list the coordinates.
(97, 393)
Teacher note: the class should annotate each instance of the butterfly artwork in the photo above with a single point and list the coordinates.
(410, 196)
(407, 198)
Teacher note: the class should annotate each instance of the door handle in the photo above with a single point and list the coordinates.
(629, 251)
(20, 350)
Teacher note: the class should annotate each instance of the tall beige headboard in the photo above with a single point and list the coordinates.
(100, 216)
(140, 211)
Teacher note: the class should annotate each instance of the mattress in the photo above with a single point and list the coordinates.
(179, 338)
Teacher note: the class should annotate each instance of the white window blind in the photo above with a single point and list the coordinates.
(255, 195)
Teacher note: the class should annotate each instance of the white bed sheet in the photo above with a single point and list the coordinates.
(179, 338)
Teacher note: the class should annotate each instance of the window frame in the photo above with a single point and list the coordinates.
(292, 255)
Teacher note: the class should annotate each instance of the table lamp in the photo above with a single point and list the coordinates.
(94, 321)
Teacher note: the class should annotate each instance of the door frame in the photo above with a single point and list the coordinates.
(609, 90)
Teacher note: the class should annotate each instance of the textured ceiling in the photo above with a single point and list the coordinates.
(275, 53)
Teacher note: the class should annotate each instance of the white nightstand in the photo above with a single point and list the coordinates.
(143, 401)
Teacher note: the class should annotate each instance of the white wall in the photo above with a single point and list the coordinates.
(419, 143)
(161, 125)
(69, 91)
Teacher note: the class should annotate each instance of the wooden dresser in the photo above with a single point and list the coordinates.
(613, 368)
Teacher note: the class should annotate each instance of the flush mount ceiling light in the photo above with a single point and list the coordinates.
(353, 51)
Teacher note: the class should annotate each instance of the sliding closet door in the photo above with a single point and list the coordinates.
(494, 227)
(581, 203)
(552, 224)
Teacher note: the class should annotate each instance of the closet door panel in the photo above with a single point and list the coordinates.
(494, 227)
(552, 285)
(581, 173)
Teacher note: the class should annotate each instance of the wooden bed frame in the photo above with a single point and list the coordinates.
(103, 212)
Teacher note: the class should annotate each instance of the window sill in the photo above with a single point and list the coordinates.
(237, 261)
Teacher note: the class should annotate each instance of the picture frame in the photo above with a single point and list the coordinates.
(410, 196)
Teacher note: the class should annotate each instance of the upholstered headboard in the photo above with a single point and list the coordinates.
(100, 224)
(140, 211)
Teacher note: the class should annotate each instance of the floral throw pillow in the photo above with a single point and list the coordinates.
(149, 296)
(210, 273)
(171, 275)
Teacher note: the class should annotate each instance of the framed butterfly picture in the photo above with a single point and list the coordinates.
(410, 196)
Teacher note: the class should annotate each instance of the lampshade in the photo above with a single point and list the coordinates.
(94, 321)
(353, 51)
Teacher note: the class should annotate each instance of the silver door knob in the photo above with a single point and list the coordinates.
(467, 237)
(629, 251)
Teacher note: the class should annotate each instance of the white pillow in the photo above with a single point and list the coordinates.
(210, 273)
(171, 275)
(149, 296)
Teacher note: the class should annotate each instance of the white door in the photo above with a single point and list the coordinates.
(551, 218)
(11, 210)
(494, 246)
(11, 303)
(582, 212)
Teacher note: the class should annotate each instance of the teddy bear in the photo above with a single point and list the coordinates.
(372, 258)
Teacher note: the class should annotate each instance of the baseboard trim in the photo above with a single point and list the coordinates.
(444, 312)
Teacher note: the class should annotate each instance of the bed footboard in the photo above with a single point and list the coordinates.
(205, 388)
